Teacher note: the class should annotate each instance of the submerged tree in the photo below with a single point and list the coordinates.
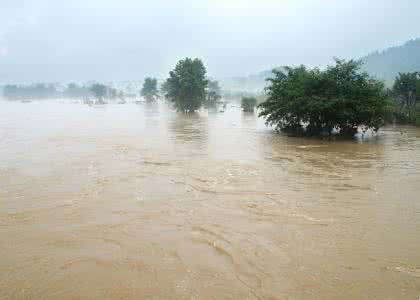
(99, 91)
(248, 104)
(111, 93)
(311, 102)
(149, 90)
(406, 91)
(75, 91)
(186, 85)
(213, 91)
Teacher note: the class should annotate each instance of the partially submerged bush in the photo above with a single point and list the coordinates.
(213, 92)
(248, 104)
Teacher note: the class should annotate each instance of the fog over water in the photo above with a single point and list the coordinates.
(45, 40)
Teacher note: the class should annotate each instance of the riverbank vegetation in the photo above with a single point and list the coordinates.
(339, 99)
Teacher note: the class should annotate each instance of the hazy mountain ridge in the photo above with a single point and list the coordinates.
(388, 63)
(384, 65)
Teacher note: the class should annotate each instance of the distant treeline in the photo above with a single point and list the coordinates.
(36, 91)
(48, 91)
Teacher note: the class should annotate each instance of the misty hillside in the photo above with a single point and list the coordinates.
(384, 65)
(388, 63)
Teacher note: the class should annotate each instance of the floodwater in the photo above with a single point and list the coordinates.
(136, 201)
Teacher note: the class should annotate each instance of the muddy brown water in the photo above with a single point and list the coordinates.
(139, 202)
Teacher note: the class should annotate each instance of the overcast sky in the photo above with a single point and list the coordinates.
(64, 40)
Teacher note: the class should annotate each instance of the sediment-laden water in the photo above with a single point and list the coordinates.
(136, 201)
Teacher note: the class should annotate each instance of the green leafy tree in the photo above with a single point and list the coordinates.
(248, 104)
(149, 90)
(311, 101)
(186, 85)
(164, 88)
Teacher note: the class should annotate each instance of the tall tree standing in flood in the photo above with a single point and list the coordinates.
(149, 90)
(313, 101)
(99, 91)
(213, 92)
(186, 85)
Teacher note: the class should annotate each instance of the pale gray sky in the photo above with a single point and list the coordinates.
(64, 40)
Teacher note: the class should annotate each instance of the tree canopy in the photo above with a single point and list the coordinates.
(186, 85)
(150, 89)
(311, 101)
